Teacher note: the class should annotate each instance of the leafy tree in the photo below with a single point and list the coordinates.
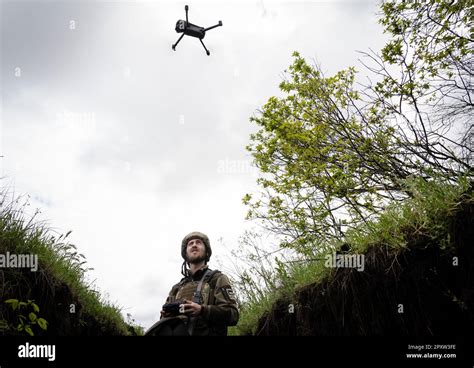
(333, 155)
(429, 92)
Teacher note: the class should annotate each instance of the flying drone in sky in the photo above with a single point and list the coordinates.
(189, 29)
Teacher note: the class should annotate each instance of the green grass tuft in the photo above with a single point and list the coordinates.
(60, 279)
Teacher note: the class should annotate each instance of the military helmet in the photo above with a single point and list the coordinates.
(196, 235)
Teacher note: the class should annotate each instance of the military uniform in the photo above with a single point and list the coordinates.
(219, 307)
(216, 297)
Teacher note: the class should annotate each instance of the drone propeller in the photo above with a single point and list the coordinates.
(192, 30)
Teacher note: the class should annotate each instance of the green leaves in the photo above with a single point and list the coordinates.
(430, 39)
(13, 303)
(42, 323)
(329, 151)
(392, 52)
(26, 324)
(35, 307)
(315, 153)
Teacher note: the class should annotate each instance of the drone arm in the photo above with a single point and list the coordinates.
(207, 51)
(217, 25)
(176, 44)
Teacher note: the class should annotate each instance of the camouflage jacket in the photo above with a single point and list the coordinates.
(218, 302)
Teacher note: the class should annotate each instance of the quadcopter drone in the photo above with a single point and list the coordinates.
(189, 29)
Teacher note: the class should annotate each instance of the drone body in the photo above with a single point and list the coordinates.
(189, 29)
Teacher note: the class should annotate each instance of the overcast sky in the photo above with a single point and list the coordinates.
(132, 145)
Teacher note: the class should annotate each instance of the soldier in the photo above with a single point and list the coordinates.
(204, 302)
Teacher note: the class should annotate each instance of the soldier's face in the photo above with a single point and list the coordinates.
(195, 251)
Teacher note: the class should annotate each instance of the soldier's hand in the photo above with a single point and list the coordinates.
(191, 308)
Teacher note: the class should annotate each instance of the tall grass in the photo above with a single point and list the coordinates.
(426, 213)
(59, 265)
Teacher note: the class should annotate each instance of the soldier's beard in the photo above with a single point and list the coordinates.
(196, 259)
